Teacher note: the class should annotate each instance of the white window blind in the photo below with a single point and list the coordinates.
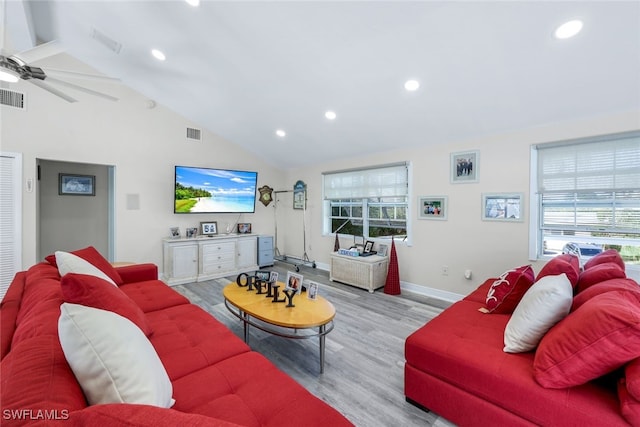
(591, 187)
(381, 181)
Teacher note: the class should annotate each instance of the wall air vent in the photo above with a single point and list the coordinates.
(194, 134)
(12, 98)
(105, 40)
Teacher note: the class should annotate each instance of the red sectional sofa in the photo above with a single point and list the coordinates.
(217, 380)
(457, 367)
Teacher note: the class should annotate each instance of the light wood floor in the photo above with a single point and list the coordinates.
(364, 363)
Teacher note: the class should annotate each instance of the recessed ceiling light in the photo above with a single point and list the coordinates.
(193, 3)
(411, 85)
(568, 29)
(330, 115)
(158, 54)
(281, 133)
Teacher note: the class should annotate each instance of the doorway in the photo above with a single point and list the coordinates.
(68, 221)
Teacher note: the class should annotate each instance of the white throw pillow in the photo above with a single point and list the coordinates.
(112, 359)
(543, 305)
(70, 263)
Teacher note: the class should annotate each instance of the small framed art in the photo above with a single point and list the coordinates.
(312, 290)
(464, 166)
(263, 275)
(76, 185)
(191, 232)
(432, 207)
(294, 281)
(368, 247)
(382, 249)
(174, 232)
(502, 207)
(209, 228)
(244, 228)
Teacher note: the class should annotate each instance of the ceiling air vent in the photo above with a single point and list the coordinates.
(194, 134)
(14, 99)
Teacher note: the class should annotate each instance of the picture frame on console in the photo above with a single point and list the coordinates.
(192, 232)
(465, 166)
(244, 228)
(382, 249)
(502, 207)
(294, 282)
(209, 228)
(76, 185)
(312, 290)
(433, 207)
(368, 247)
(174, 232)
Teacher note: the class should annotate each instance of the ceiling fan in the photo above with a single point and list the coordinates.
(17, 66)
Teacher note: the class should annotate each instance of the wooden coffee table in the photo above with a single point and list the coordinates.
(275, 318)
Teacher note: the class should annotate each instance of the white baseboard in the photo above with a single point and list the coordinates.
(417, 289)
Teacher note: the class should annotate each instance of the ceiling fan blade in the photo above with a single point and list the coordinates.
(52, 90)
(77, 75)
(82, 89)
(39, 52)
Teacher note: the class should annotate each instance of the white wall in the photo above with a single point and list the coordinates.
(143, 144)
(464, 241)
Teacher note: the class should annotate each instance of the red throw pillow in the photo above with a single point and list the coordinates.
(629, 405)
(567, 264)
(632, 377)
(91, 255)
(95, 292)
(507, 291)
(612, 285)
(610, 255)
(599, 337)
(599, 273)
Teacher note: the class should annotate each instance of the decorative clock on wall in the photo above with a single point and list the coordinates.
(266, 194)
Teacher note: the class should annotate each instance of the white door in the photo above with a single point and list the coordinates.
(185, 261)
(10, 218)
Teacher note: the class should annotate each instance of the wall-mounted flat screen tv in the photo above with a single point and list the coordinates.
(207, 190)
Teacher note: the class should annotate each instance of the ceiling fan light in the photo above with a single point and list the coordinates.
(194, 3)
(281, 133)
(331, 115)
(412, 85)
(9, 76)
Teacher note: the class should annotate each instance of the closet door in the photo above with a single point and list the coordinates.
(10, 218)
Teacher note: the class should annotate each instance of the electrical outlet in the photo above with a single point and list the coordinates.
(445, 270)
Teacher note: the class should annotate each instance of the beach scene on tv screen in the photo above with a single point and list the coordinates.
(201, 190)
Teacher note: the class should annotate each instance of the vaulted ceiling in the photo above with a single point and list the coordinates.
(245, 69)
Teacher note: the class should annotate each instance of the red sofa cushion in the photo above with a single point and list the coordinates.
(599, 273)
(188, 338)
(599, 337)
(610, 255)
(505, 293)
(95, 292)
(132, 415)
(91, 255)
(152, 295)
(629, 406)
(35, 376)
(232, 390)
(632, 376)
(612, 285)
(567, 264)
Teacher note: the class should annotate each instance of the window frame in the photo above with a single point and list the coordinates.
(537, 230)
(365, 206)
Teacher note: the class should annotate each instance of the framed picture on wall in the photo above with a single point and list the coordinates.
(464, 166)
(76, 185)
(502, 207)
(432, 207)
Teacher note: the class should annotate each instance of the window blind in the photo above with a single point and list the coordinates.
(379, 181)
(591, 186)
(10, 213)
